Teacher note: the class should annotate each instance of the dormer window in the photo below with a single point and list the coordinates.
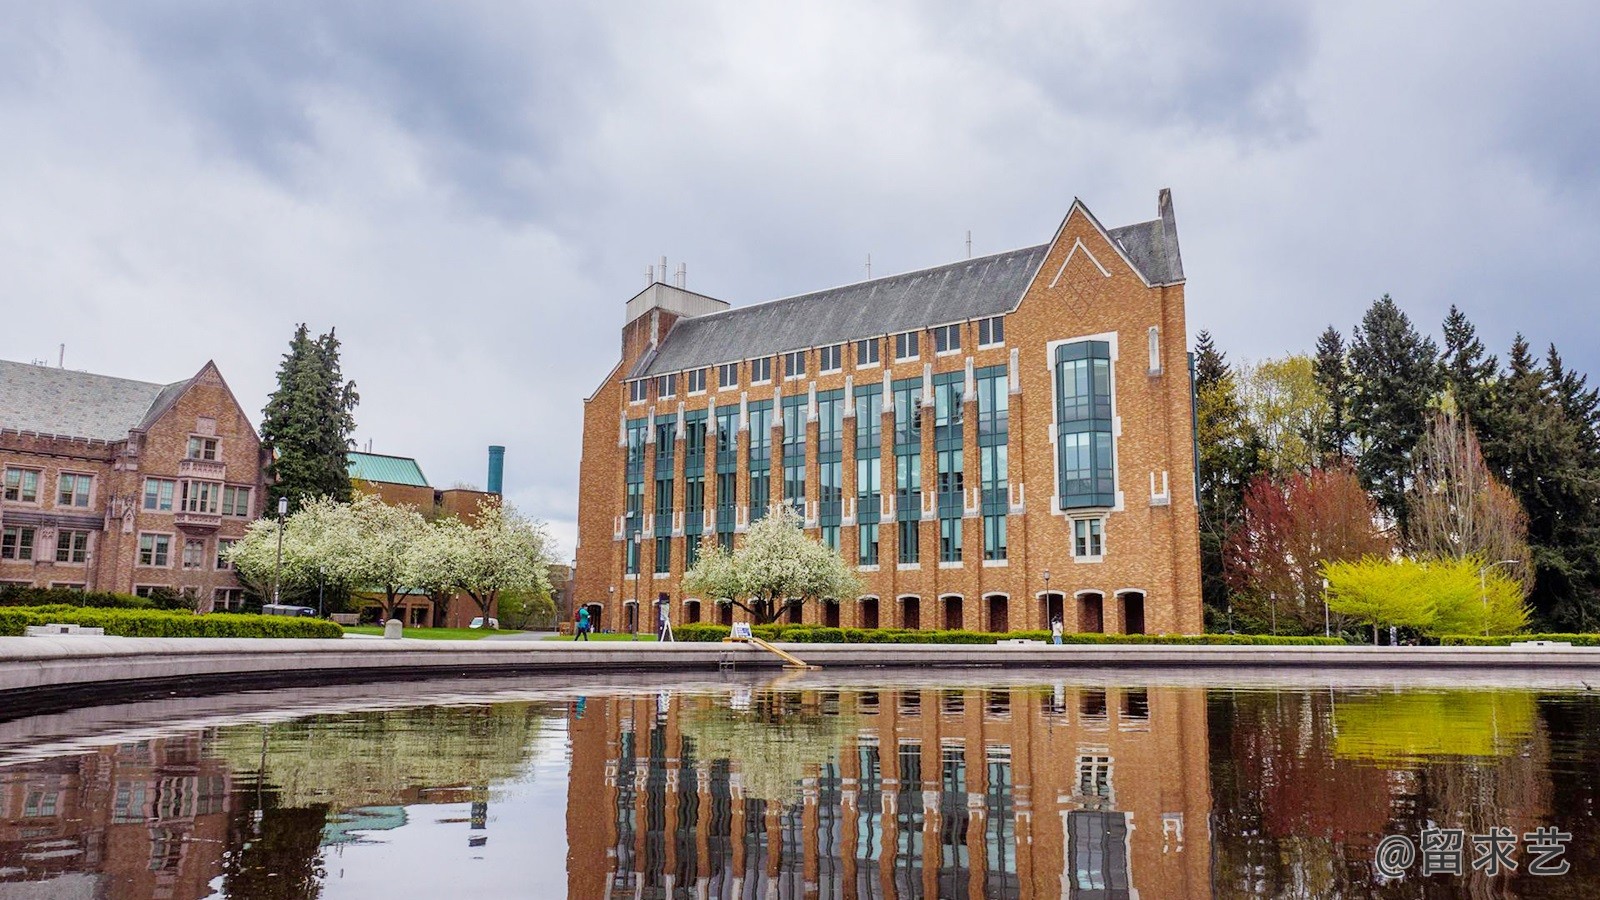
(202, 448)
(638, 391)
(946, 339)
(794, 364)
(992, 331)
(666, 386)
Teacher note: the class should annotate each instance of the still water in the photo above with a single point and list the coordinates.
(830, 785)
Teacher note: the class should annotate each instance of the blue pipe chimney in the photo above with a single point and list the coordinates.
(497, 467)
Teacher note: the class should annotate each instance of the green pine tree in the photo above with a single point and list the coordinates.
(308, 422)
(1331, 368)
(1471, 375)
(1395, 375)
(1229, 457)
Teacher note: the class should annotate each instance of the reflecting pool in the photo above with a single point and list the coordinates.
(827, 785)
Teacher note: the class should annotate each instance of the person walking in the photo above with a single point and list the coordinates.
(1055, 631)
(583, 624)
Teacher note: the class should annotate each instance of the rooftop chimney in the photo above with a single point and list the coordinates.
(497, 467)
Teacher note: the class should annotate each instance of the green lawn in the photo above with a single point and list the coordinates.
(428, 634)
(618, 636)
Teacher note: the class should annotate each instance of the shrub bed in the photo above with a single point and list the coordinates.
(1502, 640)
(164, 623)
(13, 595)
(816, 634)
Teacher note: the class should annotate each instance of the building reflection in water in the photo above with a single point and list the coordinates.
(916, 792)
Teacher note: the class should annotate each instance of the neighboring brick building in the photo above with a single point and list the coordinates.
(398, 480)
(118, 485)
(956, 432)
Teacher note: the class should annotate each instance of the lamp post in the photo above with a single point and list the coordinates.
(1326, 618)
(1047, 622)
(1483, 587)
(277, 568)
(638, 569)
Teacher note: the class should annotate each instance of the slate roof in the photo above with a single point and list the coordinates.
(79, 404)
(386, 469)
(955, 292)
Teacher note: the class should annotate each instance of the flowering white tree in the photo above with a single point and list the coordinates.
(321, 543)
(776, 568)
(434, 559)
(384, 535)
(501, 551)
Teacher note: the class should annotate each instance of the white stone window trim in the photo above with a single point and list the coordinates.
(1093, 558)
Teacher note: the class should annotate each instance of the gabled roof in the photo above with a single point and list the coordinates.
(386, 469)
(79, 404)
(955, 292)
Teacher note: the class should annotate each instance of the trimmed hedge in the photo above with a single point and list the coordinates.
(1502, 640)
(13, 595)
(816, 634)
(164, 623)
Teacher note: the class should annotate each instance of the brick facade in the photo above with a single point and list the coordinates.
(186, 478)
(1086, 287)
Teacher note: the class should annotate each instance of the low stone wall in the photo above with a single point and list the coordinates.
(72, 664)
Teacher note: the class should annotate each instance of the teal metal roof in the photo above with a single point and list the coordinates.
(386, 469)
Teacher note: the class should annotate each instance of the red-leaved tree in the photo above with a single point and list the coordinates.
(1273, 558)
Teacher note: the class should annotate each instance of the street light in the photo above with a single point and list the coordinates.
(638, 569)
(277, 568)
(1483, 587)
(1326, 619)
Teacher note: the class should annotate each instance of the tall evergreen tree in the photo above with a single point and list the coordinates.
(1471, 374)
(1395, 375)
(308, 422)
(1548, 451)
(1331, 369)
(1229, 457)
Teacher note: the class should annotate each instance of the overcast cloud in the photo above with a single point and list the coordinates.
(470, 191)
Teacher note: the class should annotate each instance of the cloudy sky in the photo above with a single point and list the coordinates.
(470, 191)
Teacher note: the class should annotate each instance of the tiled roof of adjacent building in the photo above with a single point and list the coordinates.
(79, 404)
(386, 469)
(956, 292)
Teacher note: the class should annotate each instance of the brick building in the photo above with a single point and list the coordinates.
(1003, 791)
(957, 432)
(398, 480)
(127, 486)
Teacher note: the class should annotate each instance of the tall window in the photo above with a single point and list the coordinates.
(633, 522)
(694, 483)
(794, 364)
(830, 464)
(866, 352)
(158, 493)
(202, 448)
(22, 485)
(869, 470)
(993, 435)
(155, 550)
(194, 554)
(16, 542)
(761, 370)
(908, 467)
(905, 345)
(728, 375)
(727, 463)
(666, 473)
(760, 458)
(73, 490)
(831, 358)
(947, 339)
(72, 546)
(949, 452)
(223, 546)
(794, 453)
(1085, 474)
(991, 332)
